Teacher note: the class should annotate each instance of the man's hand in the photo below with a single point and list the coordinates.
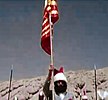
(51, 68)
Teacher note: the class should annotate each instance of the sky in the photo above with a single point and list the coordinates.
(80, 37)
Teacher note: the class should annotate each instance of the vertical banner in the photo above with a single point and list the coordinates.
(50, 8)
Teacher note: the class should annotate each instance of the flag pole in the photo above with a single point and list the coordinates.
(95, 82)
(11, 72)
(49, 18)
(52, 55)
(51, 47)
(51, 40)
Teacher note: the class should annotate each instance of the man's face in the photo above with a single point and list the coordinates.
(60, 86)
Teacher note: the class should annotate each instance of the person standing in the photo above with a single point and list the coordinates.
(60, 86)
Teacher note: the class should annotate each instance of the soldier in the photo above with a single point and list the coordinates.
(60, 86)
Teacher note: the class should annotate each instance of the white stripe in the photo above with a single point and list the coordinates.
(46, 3)
(45, 33)
(54, 12)
(45, 21)
(45, 28)
(48, 8)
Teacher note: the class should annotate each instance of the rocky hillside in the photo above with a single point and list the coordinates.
(28, 89)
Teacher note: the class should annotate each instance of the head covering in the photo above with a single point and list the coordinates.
(84, 97)
(59, 75)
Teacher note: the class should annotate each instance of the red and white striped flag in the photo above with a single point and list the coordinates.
(50, 7)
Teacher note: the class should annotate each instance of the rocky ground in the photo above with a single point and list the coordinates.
(28, 89)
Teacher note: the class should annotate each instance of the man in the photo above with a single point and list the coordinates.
(80, 89)
(60, 86)
(84, 95)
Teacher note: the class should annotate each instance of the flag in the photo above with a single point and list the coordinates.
(45, 35)
(50, 7)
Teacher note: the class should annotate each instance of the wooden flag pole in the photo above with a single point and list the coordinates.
(51, 39)
(52, 55)
(11, 72)
(95, 82)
